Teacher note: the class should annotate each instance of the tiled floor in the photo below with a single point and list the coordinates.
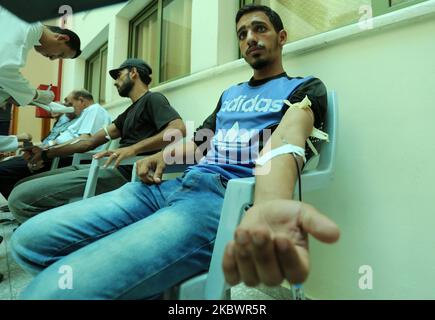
(15, 279)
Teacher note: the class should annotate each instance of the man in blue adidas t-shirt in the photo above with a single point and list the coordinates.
(139, 240)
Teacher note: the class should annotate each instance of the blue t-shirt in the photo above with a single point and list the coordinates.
(244, 111)
(60, 126)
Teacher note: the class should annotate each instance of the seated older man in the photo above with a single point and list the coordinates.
(87, 119)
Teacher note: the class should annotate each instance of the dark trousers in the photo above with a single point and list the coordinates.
(4, 128)
(15, 169)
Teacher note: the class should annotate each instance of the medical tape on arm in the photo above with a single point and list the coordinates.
(316, 133)
(285, 149)
(107, 133)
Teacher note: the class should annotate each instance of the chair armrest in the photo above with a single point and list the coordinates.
(238, 195)
(91, 183)
(79, 157)
(173, 168)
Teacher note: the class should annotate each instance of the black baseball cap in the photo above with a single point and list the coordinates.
(139, 64)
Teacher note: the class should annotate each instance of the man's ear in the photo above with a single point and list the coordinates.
(282, 37)
(62, 37)
(134, 72)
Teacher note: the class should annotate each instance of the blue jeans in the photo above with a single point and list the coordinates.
(131, 243)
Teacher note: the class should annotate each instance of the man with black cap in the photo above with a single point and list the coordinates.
(141, 128)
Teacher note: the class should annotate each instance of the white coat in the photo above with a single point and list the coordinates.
(16, 40)
(8, 143)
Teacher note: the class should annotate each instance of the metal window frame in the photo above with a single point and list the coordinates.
(381, 7)
(150, 9)
(146, 13)
(88, 71)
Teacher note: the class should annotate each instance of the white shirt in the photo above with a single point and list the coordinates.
(90, 121)
(16, 40)
(8, 143)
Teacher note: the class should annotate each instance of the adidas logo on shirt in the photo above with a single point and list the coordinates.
(241, 104)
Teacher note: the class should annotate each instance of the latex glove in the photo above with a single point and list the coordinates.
(44, 97)
(55, 107)
(24, 137)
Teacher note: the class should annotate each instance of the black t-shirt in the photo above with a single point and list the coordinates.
(145, 118)
(313, 88)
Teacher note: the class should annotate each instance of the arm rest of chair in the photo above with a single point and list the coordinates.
(79, 157)
(316, 179)
(55, 163)
(91, 183)
(238, 195)
(173, 168)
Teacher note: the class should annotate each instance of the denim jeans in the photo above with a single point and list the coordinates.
(54, 188)
(131, 243)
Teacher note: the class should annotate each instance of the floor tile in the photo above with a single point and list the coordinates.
(241, 292)
(19, 279)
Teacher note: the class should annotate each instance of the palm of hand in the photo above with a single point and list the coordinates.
(281, 220)
(271, 243)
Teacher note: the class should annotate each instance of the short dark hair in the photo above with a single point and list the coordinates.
(83, 93)
(274, 17)
(143, 75)
(74, 40)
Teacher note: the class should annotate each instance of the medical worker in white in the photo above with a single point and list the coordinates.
(17, 39)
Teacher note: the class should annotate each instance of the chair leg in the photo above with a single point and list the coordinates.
(298, 292)
(91, 183)
(172, 293)
(227, 295)
(1, 275)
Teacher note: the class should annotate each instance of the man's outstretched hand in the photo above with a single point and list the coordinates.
(271, 243)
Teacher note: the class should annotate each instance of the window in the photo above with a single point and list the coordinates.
(96, 74)
(303, 18)
(161, 35)
(386, 6)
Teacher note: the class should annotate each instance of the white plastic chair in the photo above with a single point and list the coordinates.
(86, 156)
(91, 183)
(238, 196)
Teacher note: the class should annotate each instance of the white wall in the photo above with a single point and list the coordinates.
(381, 196)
